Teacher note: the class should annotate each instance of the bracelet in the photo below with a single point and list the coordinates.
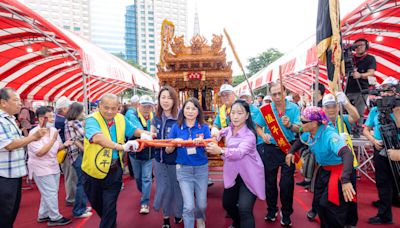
(301, 130)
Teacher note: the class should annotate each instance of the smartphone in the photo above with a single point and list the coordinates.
(44, 122)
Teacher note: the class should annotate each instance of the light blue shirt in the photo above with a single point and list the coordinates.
(217, 121)
(326, 145)
(292, 111)
(254, 111)
(92, 127)
(345, 122)
(373, 122)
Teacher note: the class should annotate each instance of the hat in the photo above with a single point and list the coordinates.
(225, 88)
(314, 113)
(328, 100)
(390, 81)
(267, 98)
(135, 99)
(146, 100)
(260, 95)
(245, 93)
(63, 102)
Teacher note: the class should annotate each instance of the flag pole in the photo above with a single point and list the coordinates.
(238, 61)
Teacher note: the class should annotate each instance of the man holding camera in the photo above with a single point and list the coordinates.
(364, 67)
(384, 175)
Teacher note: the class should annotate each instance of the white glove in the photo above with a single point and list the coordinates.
(146, 136)
(131, 145)
(342, 98)
(344, 136)
(215, 132)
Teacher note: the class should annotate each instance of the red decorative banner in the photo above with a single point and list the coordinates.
(189, 76)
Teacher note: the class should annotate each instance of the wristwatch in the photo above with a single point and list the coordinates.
(222, 151)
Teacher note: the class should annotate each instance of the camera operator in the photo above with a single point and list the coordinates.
(364, 67)
(394, 154)
(384, 176)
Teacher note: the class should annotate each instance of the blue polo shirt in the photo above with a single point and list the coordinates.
(345, 122)
(373, 122)
(217, 121)
(184, 158)
(326, 145)
(292, 111)
(254, 111)
(131, 115)
(92, 127)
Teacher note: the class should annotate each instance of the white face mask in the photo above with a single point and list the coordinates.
(49, 125)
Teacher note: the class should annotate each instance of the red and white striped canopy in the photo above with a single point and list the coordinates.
(43, 62)
(376, 20)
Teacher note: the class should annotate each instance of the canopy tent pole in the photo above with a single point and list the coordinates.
(315, 94)
(85, 103)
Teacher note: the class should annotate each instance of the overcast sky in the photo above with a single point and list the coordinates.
(256, 25)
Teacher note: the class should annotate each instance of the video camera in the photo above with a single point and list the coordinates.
(385, 104)
(348, 59)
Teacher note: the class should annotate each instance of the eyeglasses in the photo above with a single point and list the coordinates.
(305, 122)
(276, 94)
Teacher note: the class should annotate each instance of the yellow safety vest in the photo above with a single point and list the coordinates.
(222, 116)
(97, 159)
(348, 141)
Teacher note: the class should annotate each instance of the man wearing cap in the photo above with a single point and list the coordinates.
(280, 120)
(384, 176)
(143, 160)
(333, 180)
(259, 101)
(70, 177)
(267, 100)
(331, 108)
(365, 66)
(104, 144)
(222, 120)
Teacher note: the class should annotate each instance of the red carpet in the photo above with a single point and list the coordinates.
(128, 209)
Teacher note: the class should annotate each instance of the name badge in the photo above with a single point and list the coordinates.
(191, 150)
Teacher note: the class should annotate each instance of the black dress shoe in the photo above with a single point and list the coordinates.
(304, 183)
(311, 214)
(378, 220)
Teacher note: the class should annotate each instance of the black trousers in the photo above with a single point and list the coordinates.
(10, 199)
(330, 214)
(103, 195)
(273, 159)
(239, 202)
(384, 184)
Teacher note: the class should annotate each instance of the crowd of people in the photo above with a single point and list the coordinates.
(260, 139)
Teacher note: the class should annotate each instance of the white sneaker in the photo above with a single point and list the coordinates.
(84, 215)
(88, 209)
(200, 223)
(144, 209)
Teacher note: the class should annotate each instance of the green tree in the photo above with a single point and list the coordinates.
(237, 79)
(264, 59)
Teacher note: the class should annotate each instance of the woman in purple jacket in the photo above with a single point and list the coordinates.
(243, 168)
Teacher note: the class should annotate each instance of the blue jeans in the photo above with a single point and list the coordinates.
(142, 169)
(193, 180)
(80, 196)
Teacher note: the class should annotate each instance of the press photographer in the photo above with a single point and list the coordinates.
(382, 121)
(363, 66)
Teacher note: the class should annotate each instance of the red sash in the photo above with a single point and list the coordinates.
(333, 184)
(276, 131)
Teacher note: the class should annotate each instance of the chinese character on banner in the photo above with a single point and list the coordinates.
(281, 142)
(269, 118)
(274, 129)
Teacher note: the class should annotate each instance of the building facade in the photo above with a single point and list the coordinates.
(131, 50)
(73, 15)
(149, 16)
